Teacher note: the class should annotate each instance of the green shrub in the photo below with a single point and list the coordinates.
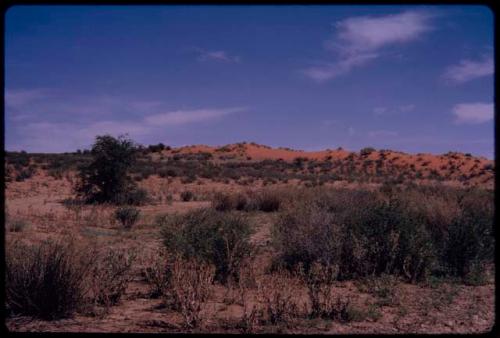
(221, 239)
(105, 178)
(127, 216)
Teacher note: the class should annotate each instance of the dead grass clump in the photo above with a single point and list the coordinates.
(46, 280)
(190, 288)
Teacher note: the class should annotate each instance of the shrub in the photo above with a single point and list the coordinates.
(189, 288)
(222, 202)
(392, 232)
(366, 151)
(470, 237)
(46, 280)
(105, 178)
(135, 196)
(221, 239)
(111, 275)
(187, 196)
(157, 274)
(268, 201)
(17, 225)
(25, 174)
(278, 292)
(127, 216)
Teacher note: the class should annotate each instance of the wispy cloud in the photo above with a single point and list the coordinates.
(358, 40)
(467, 70)
(68, 136)
(17, 99)
(189, 116)
(64, 123)
(217, 55)
(473, 113)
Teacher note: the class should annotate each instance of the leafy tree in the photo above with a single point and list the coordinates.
(105, 178)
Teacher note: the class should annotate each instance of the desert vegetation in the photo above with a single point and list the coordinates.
(156, 239)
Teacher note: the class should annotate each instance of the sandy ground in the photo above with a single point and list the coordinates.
(445, 308)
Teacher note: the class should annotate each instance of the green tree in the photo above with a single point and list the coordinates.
(105, 178)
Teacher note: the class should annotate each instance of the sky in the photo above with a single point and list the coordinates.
(417, 79)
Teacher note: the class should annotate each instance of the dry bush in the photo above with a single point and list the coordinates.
(383, 287)
(250, 319)
(278, 292)
(46, 280)
(237, 289)
(319, 281)
(156, 273)
(190, 285)
(111, 275)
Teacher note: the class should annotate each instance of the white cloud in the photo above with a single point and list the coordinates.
(473, 113)
(218, 55)
(331, 70)
(189, 116)
(359, 39)
(468, 70)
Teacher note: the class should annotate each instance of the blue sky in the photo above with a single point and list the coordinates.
(409, 78)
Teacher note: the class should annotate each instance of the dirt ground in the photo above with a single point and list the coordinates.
(440, 308)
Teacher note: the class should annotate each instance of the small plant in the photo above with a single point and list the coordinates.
(278, 293)
(127, 216)
(157, 274)
(320, 280)
(190, 288)
(187, 196)
(17, 225)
